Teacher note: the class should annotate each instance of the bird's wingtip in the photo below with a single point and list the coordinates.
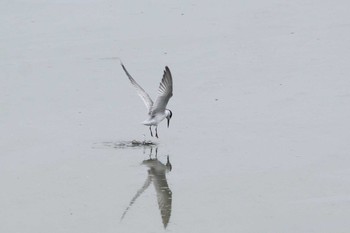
(166, 70)
(121, 63)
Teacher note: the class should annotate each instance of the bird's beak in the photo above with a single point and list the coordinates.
(168, 121)
(168, 164)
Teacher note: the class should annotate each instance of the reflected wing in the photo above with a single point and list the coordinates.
(140, 91)
(165, 92)
(164, 204)
(139, 192)
(164, 196)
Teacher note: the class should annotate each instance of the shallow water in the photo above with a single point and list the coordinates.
(258, 141)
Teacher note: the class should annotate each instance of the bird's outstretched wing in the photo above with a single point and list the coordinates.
(165, 92)
(140, 91)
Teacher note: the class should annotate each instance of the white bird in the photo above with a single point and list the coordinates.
(157, 111)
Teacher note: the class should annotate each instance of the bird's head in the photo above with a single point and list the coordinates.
(169, 115)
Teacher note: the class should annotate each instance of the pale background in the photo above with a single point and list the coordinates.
(259, 139)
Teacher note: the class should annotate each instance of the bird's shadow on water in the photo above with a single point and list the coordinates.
(157, 175)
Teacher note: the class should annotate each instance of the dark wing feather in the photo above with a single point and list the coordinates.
(165, 92)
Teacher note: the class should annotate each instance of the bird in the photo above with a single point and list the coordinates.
(156, 175)
(157, 110)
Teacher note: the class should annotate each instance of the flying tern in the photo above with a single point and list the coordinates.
(157, 111)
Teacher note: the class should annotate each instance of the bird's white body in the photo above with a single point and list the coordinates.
(154, 120)
(157, 118)
(157, 111)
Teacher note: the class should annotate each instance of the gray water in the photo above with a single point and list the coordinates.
(258, 141)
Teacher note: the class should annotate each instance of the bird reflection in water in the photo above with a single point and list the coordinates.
(156, 175)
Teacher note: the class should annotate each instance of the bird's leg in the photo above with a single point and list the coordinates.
(150, 153)
(150, 129)
(156, 152)
(156, 132)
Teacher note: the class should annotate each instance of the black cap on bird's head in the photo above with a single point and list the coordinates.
(169, 115)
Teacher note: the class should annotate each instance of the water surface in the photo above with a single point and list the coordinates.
(258, 141)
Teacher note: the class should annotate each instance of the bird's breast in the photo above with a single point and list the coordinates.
(154, 120)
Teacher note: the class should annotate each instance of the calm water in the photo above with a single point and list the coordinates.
(258, 141)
